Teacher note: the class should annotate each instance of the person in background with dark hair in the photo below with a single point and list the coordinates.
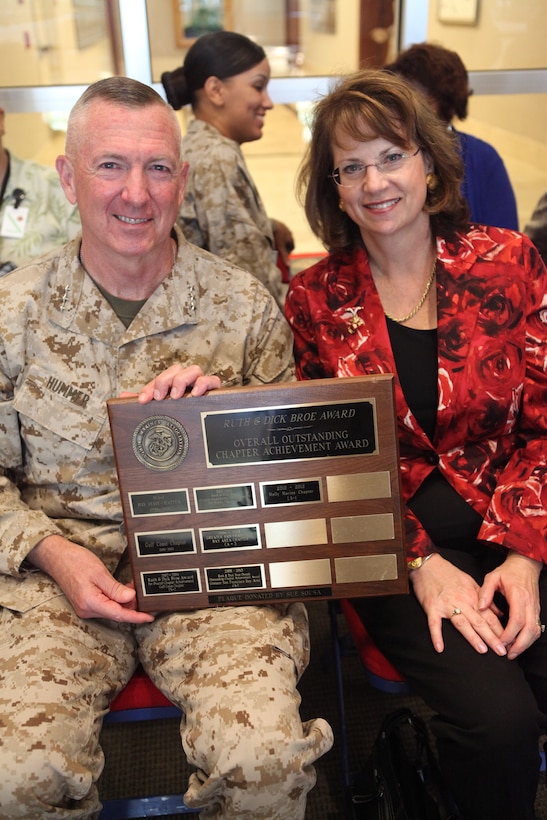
(35, 215)
(536, 228)
(130, 307)
(225, 79)
(458, 313)
(441, 75)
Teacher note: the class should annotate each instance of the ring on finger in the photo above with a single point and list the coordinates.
(541, 626)
(456, 611)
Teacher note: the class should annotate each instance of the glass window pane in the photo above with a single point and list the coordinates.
(506, 34)
(58, 42)
(301, 37)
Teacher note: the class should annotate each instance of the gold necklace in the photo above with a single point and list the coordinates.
(423, 297)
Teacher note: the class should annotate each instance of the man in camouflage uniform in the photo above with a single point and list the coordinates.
(132, 307)
(35, 215)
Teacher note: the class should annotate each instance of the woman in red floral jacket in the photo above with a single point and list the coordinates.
(458, 313)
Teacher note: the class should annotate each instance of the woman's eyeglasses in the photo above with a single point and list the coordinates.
(355, 172)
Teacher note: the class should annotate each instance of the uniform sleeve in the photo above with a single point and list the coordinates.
(20, 527)
(517, 515)
(269, 350)
(222, 213)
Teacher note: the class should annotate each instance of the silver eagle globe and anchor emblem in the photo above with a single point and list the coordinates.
(160, 443)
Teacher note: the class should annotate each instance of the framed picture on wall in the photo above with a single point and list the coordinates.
(90, 22)
(192, 18)
(462, 12)
(323, 16)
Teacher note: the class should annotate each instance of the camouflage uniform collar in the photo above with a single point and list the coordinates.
(76, 301)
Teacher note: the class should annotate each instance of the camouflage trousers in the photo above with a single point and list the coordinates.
(232, 671)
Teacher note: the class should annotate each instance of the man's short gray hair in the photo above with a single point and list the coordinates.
(118, 90)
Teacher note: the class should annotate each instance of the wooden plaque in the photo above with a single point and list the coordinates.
(263, 494)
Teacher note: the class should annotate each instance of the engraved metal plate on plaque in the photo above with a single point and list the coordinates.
(263, 494)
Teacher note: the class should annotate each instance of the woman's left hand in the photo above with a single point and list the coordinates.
(517, 580)
(283, 239)
(447, 593)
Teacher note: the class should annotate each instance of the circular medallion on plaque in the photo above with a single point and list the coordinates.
(160, 443)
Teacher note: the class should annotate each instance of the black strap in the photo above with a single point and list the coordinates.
(5, 180)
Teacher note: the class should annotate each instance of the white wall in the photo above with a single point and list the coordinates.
(331, 53)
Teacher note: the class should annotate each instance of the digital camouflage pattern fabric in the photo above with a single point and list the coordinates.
(222, 210)
(51, 219)
(233, 671)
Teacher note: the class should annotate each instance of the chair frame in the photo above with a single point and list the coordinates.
(343, 645)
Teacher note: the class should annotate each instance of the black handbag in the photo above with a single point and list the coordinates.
(401, 779)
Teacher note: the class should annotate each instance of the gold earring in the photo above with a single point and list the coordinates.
(431, 182)
(341, 206)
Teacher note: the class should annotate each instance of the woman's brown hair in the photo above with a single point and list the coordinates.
(364, 106)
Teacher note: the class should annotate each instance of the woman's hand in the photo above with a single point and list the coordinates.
(174, 382)
(283, 239)
(444, 591)
(518, 581)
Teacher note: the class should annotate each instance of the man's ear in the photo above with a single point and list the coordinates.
(214, 90)
(183, 181)
(66, 176)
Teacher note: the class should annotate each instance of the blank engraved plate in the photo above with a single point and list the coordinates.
(296, 533)
(364, 568)
(362, 528)
(300, 573)
(359, 486)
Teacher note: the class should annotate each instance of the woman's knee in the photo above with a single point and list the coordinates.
(503, 727)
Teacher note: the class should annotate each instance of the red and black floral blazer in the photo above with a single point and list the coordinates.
(490, 440)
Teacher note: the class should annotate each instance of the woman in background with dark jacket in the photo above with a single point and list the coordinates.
(442, 76)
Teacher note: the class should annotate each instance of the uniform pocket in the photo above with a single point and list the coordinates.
(59, 406)
(59, 422)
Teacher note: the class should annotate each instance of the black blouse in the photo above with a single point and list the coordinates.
(448, 519)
